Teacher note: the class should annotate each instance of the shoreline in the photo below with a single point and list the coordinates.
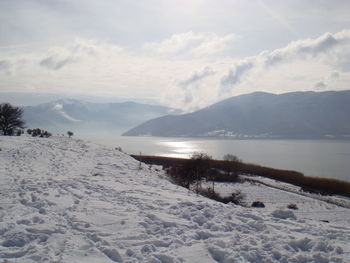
(315, 185)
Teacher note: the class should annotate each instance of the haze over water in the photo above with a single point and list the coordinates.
(321, 158)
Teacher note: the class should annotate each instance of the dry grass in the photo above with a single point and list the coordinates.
(311, 184)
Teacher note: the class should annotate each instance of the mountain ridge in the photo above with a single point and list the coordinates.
(90, 117)
(260, 115)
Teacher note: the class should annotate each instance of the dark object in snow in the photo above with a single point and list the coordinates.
(292, 206)
(39, 133)
(10, 119)
(258, 204)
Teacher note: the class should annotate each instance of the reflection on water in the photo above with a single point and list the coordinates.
(322, 158)
(183, 149)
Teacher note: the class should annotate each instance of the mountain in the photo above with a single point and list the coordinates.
(260, 115)
(33, 98)
(85, 117)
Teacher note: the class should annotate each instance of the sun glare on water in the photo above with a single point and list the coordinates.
(183, 149)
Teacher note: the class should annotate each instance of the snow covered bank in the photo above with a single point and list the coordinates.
(309, 206)
(67, 200)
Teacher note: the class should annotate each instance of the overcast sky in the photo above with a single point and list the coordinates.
(185, 53)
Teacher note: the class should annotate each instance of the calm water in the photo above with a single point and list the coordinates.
(322, 158)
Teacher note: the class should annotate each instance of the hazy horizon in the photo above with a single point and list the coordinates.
(184, 54)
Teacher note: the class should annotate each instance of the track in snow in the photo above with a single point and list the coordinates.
(66, 200)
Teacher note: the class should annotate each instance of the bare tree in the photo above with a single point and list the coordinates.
(70, 134)
(231, 158)
(232, 164)
(10, 119)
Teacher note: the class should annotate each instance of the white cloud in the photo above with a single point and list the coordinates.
(189, 81)
(192, 45)
(328, 52)
(197, 77)
(60, 56)
(328, 81)
(307, 48)
(320, 86)
(235, 74)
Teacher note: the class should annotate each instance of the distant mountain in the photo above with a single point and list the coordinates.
(261, 115)
(33, 98)
(90, 118)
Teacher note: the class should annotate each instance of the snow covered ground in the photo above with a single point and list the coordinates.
(67, 200)
(308, 207)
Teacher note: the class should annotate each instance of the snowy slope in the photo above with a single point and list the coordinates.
(67, 200)
(308, 207)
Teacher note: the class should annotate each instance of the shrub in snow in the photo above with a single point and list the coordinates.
(258, 204)
(19, 132)
(210, 193)
(192, 172)
(39, 133)
(119, 149)
(232, 164)
(46, 134)
(236, 197)
(292, 206)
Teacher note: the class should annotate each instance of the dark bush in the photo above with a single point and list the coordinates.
(292, 206)
(10, 119)
(119, 149)
(258, 204)
(193, 171)
(225, 178)
(39, 133)
(19, 132)
(236, 197)
(231, 164)
(210, 193)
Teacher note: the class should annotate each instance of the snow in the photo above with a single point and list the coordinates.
(68, 200)
(333, 209)
(59, 109)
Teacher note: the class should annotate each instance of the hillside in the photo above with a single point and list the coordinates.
(68, 200)
(260, 115)
(85, 117)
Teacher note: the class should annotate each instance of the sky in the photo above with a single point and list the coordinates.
(185, 54)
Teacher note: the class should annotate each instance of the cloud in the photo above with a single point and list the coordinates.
(5, 65)
(54, 63)
(235, 74)
(334, 76)
(307, 48)
(190, 44)
(197, 77)
(320, 86)
(327, 81)
(181, 80)
(328, 49)
(59, 57)
(191, 88)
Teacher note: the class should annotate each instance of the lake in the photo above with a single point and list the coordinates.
(322, 158)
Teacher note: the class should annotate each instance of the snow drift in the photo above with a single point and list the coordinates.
(67, 200)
